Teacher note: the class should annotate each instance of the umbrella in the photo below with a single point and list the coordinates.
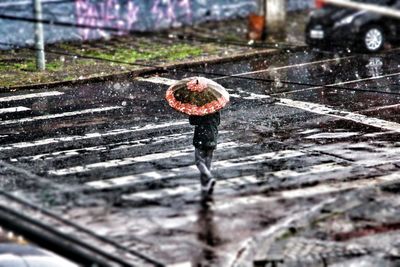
(197, 96)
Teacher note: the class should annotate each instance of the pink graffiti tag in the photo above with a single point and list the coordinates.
(108, 13)
(164, 12)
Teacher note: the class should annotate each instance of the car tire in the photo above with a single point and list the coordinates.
(373, 38)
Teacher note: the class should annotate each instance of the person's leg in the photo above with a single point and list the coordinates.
(203, 161)
(208, 158)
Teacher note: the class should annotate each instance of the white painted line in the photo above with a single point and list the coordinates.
(157, 80)
(27, 96)
(132, 160)
(59, 115)
(164, 193)
(326, 167)
(115, 132)
(321, 109)
(345, 115)
(376, 134)
(273, 69)
(339, 84)
(252, 96)
(13, 109)
(308, 191)
(159, 175)
(64, 154)
(166, 81)
(380, 108)
(338, 186)
(232, 183)
(334, 135)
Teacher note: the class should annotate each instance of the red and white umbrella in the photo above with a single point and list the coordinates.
(197, 96)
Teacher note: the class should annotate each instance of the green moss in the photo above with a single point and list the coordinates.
(19, 67)
(129, 55)
(29, 65)
(54, 66)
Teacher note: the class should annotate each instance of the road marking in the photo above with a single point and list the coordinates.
(338, 84)
(157, 80)
(283, 67)
(346, 115)
(338, 186)
(233, 183)
(380, 108)
(13, 109)
(139, 159)
(115, 146)
(60, 115)
(320, 109)
(27, 96)
(114, 132)
(334, 135)
(166, 81)
(192, 169)
(332, 187)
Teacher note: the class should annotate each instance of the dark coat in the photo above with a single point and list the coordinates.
(205, 130)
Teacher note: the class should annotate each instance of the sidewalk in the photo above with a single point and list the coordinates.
(127, 55)
(358, 227)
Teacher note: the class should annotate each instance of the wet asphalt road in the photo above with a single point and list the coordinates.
(297, 121)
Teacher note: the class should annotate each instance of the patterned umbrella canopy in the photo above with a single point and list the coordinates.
(197, 96)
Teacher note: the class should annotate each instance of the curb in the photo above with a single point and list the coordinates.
(254, 248)
(145, 71)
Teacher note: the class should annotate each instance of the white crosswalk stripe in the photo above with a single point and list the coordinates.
(89, 147)
(192, 169)
(75, 138)
(29, 96)
(234, 183)
(13, 109)
(345, 115)
(59, 115)
(145, 142)
(133, 160)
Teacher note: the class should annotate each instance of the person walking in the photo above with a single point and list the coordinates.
(201, 99)
(205, 142)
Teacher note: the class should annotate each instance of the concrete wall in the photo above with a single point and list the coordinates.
(121, 15)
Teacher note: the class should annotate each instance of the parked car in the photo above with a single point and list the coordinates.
(331, 25)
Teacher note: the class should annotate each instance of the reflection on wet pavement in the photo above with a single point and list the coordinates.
(208, 235)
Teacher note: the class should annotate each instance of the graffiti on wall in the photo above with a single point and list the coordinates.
(108, 14)
(147, 15)
(124, 15)
(170, 12)
(121, 15)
